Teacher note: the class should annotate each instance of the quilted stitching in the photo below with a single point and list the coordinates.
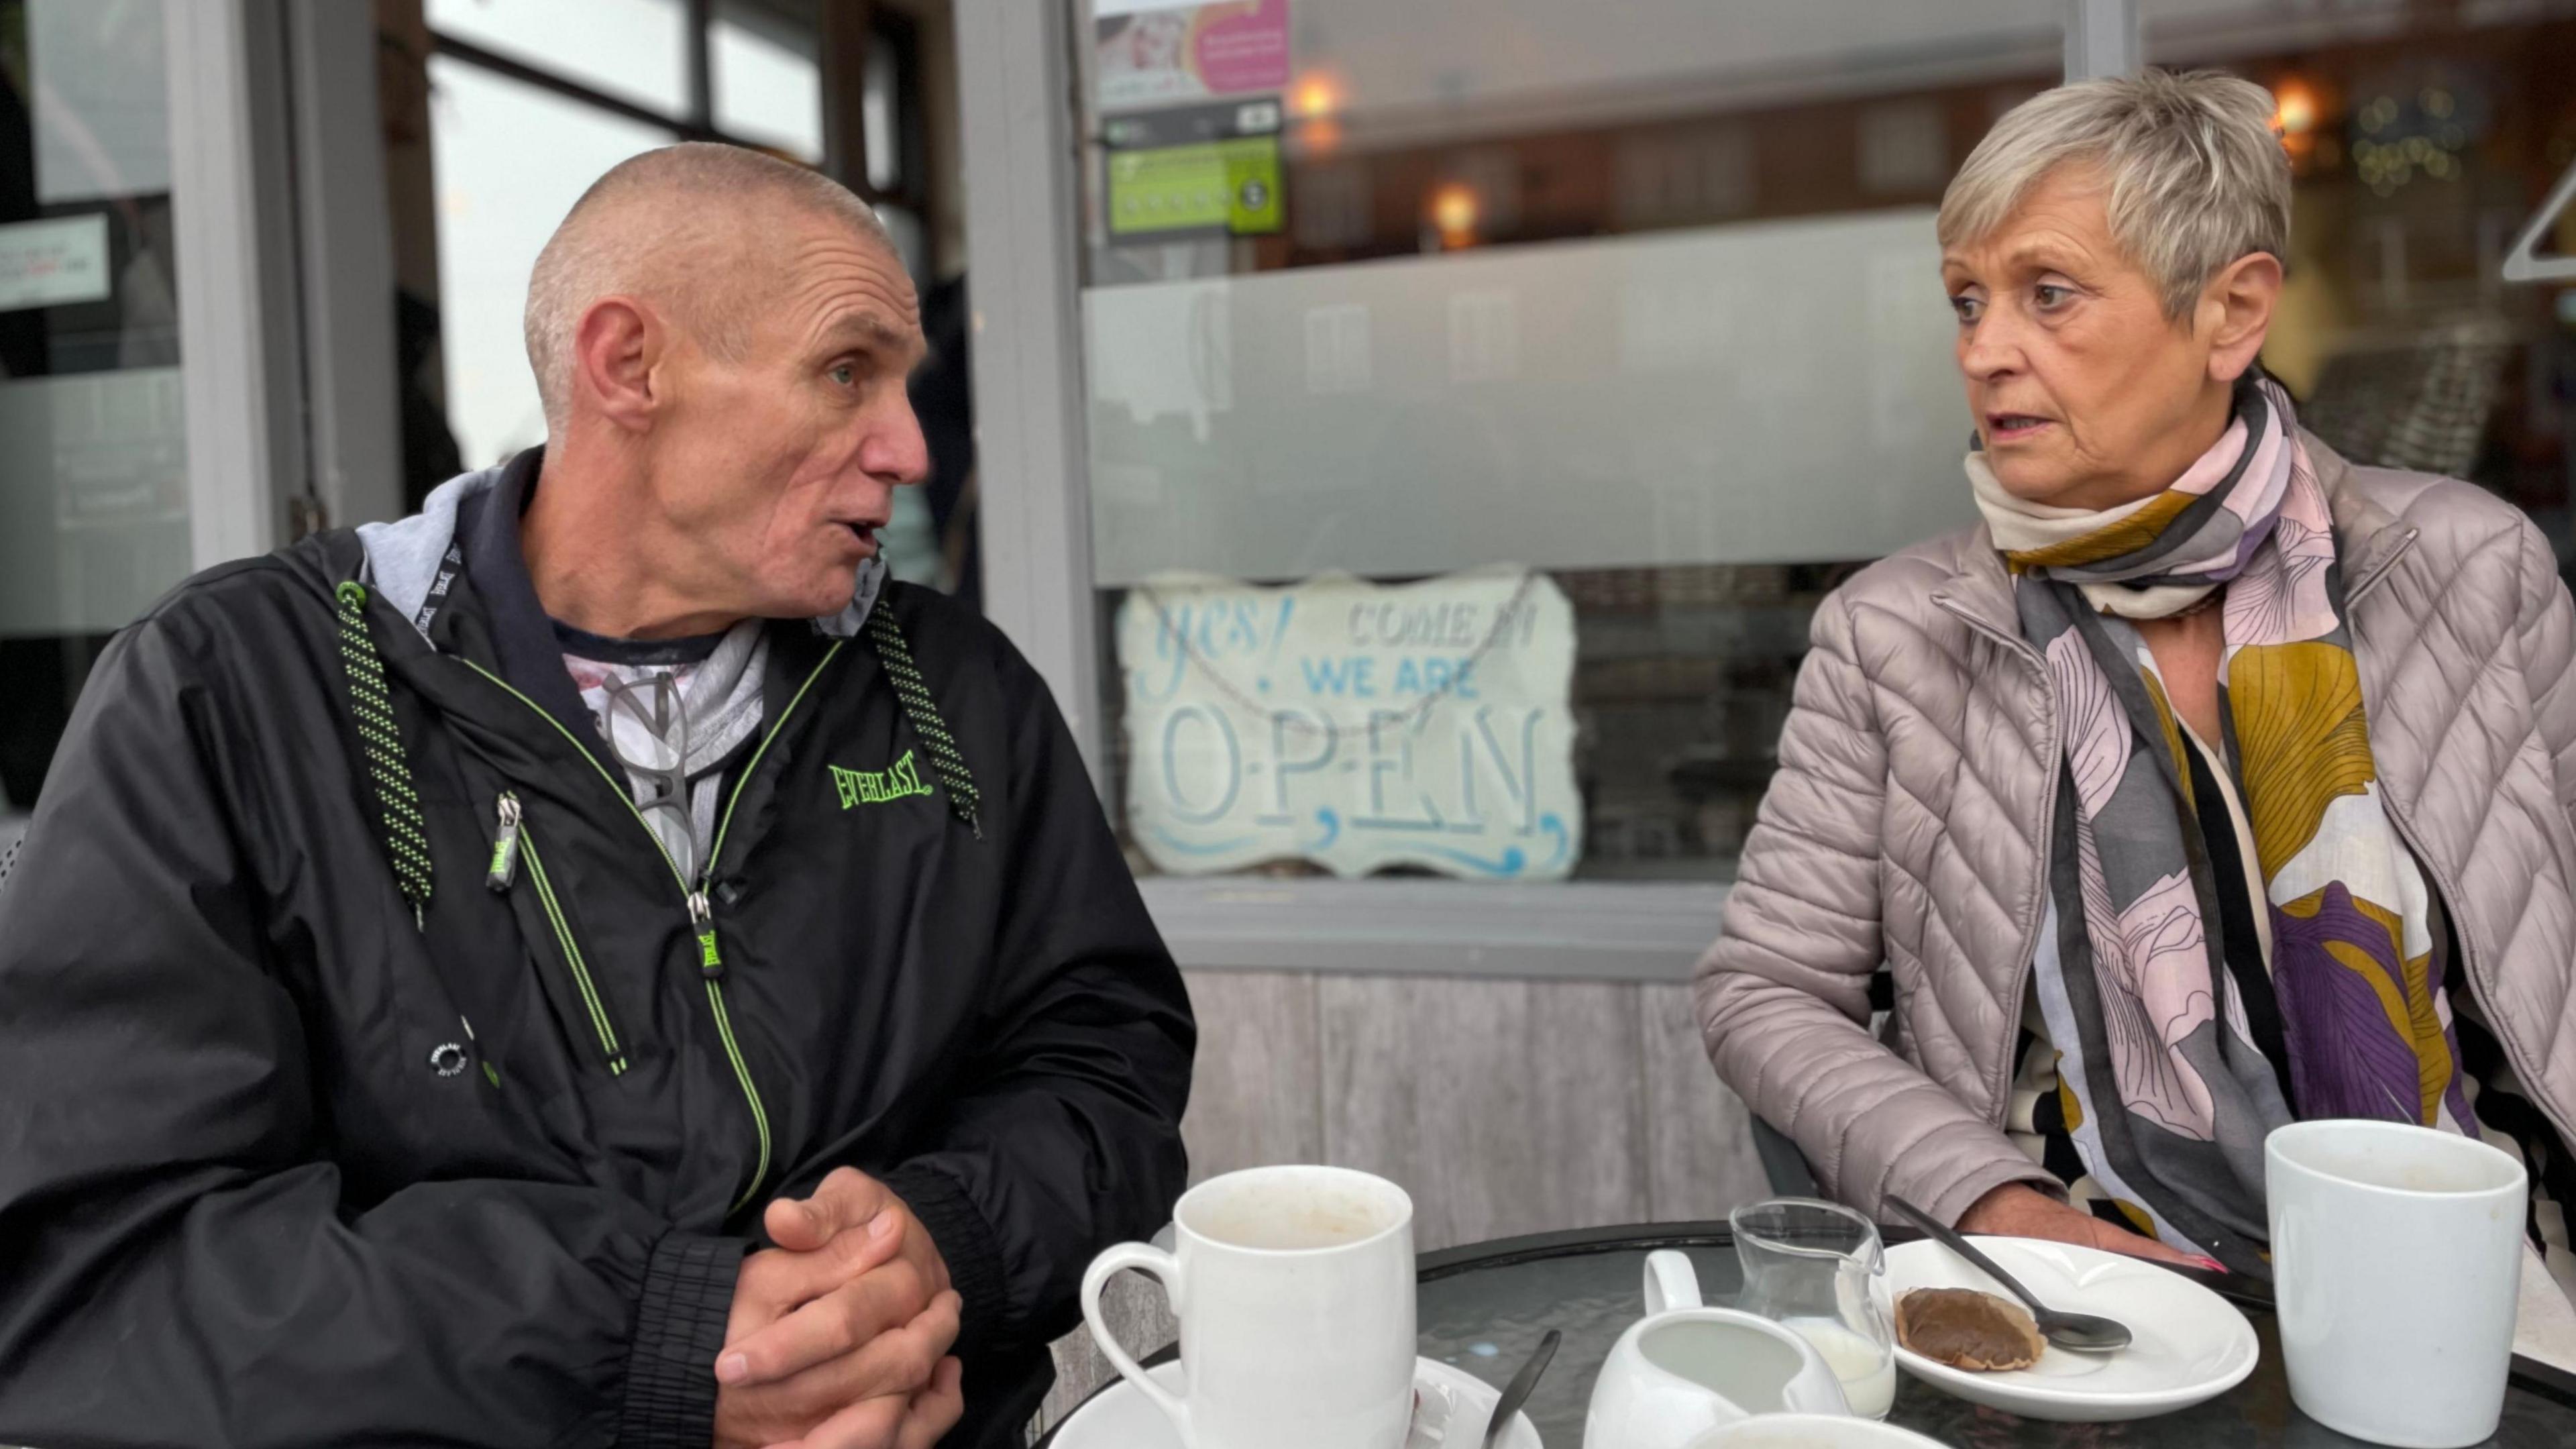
(1955, 816)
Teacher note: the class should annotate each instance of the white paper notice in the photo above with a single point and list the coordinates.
(1353, 724)
(47, 263)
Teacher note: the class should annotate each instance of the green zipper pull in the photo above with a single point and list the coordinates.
(505, 846)
(703, 916)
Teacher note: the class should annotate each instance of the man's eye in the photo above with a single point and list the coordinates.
(845, 374)
(1967, 307)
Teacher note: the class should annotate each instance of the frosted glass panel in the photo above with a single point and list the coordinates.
(94, 513)
(1759, 394)
(94, 504)
(102, 117)
(93, 441)
(1635, 303)
(1432, 52)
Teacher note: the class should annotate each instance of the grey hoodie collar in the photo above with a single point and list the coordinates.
(406, 559)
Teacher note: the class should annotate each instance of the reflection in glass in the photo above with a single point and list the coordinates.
(768, 79)
(1645, 297)
(880, 114)
(93, 442)
(511, 160)
(2420, 145)
(634, 49)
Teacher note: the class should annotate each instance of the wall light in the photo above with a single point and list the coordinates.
(1315, 96)
(1455, 209)
(2294, 110)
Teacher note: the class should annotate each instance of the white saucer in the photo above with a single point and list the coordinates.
(2190, 1345)
(1118, 1417)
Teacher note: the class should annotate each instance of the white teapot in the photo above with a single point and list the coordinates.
(1685, 1369)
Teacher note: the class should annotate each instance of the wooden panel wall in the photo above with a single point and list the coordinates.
(1503, 1107)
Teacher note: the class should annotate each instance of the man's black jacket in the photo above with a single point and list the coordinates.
(280, 1166)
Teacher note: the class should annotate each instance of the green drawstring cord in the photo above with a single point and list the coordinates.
(406, 835)
(923, 711)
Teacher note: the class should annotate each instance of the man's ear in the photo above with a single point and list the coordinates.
(615, 347)
(2236, 312)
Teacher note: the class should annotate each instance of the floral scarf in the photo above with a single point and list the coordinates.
(2166, 1093)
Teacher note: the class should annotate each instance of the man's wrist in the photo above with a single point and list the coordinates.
(680, 1317)
(958, 1229)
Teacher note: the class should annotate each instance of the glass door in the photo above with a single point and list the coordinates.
(94, 488)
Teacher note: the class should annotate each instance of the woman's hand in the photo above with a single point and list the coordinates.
(2018, 1210)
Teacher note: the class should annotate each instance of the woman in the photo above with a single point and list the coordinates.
(2211, 783)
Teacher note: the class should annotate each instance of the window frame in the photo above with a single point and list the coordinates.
(1024, 228)
(844, 151)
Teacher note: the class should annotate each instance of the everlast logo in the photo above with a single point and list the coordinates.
(901, 781)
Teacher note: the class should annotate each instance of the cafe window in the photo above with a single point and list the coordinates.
(634, 51)
(511, 158)
(768, 77)
(95, 498)
(533, 99)
(2423, 142)
(1482, 394)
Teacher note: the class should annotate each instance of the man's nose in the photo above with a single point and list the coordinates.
(895, 448)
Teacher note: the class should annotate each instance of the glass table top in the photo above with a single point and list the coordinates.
(1484, 1307)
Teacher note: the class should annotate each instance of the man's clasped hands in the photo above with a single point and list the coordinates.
(839, 1336)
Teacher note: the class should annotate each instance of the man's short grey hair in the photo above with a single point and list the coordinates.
(2197, 178)
(683, 227)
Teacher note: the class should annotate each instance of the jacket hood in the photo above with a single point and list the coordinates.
(404, 558)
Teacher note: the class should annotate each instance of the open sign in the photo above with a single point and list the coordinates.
(1353, 724)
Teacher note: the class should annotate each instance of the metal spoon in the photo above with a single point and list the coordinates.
(2081, 1332)
(1517, 1392)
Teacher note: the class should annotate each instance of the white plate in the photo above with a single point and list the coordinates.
(2190, 1346)
(1812, 1431)
(1118, 1417)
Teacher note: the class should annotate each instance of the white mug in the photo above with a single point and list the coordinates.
(2397, 1265)
(1294, 1287)
(1685, 1369)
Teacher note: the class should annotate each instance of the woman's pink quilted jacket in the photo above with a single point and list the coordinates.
(1917, 777)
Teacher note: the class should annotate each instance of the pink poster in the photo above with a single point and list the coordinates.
(1154, 51)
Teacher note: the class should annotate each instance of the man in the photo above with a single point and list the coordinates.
(590, 962)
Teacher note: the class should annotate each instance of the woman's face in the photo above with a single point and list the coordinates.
(2086, 393)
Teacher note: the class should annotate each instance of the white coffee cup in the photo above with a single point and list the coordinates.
(2397, 1263)
(1294, 1287)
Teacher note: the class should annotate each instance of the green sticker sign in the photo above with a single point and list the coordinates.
(1229, 186)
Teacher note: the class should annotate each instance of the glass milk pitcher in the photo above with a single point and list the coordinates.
(1817, 1268)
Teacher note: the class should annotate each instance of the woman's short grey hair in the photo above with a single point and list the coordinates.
(2197, 178)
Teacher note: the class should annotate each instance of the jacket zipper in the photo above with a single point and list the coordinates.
(505, 846)
(693, 898)
(514, 841)
(2026, 959)
(2380, 571)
